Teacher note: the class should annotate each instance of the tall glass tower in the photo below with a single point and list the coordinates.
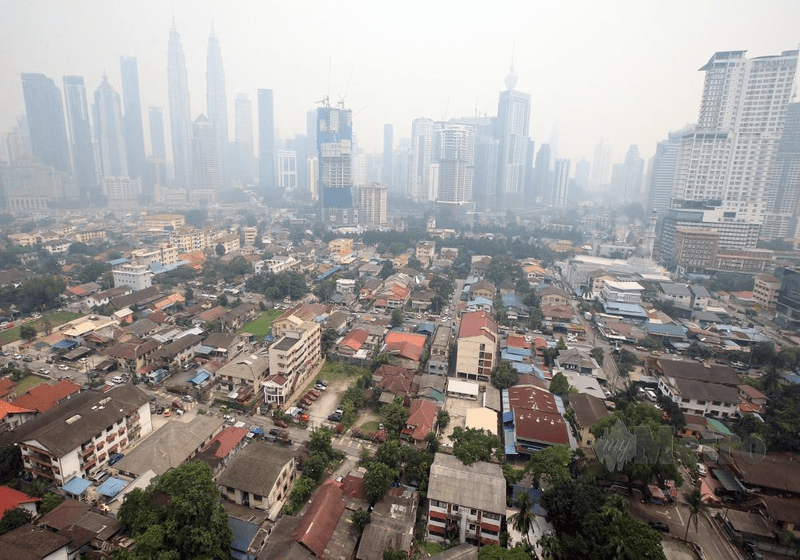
(132, 117)
(46, 121)
(108, 131)
(217, 99)
(179, 109)
(513, 121)
(81, 134)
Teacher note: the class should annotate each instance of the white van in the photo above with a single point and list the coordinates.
(651, 395)
(701, 469)
(117, 379)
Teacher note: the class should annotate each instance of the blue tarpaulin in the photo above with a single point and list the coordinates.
(65, 345)
(76, 486)
(201, 376)
(258, 431)
(243, 535)
(112, 487)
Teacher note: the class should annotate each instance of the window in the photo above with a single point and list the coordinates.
(455, 508)
(473, 511)
(471, 526)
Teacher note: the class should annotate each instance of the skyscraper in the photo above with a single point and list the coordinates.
(335, 148)
(601, 166)
(582, 171)
(245, 169)
(662, 173)
(180, 113)
(388, 152)
(205, 157)
(46, 121)
(81, 134)
(419, 175)
(560, 182)
(266, 140)
(634, 170)
(157, 143)
(454, 159)
(513, 120)
(217, 100)
(108, 131)
(132, 117)
(372, 200)
(783, 193)
(542, 176)
(730, 156)
(287, 170)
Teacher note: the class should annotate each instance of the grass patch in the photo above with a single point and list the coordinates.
(429, 549)
(334, 371)
(28, 383)
(56, 318)
(260, 326)
(369, 427)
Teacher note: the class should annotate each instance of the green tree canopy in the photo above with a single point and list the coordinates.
(559, 385)
(179, 515)
(394, 417)
(504, 376)
(471, 445)
(378, 479)
(28, 332)
(14, 518)
(552, 462)
(397, 317)
(360, 518)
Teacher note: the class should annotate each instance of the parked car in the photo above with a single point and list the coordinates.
(319, 387)
(273, 432)
(701, 469)
(115, 458)
(335, 417)
(63, 367)
(659, 526)
(280, 422)
(187, 398)
(117, 379)
(159, 409)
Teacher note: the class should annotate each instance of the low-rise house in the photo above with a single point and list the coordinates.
(103, 298)
(432, 387)
(588, 411)
(703, 399)
(676, 293)
(179, 351)
(576, 359)
(246, 370)
(391, 525)
(514, 308)
(477, 347)
(30, 542)
(407, 348)
(550, 295)
(466, 499)
(439, 360)
(259, 476)
(394, 381)
(352, 342)
(134, 354)
(11, 499)
(225, 345)
(700, 296)
(45, 396)
(235, 319)
(12, 415)
(219, 451)
(87, 529)
(421, 418)
(751, 399)
(484, 289)
(480, 304)
(535, 420)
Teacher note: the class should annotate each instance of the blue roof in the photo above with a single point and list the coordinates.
(65, 344)
(427, 327)
(512, 300)
(328, 274)
(257, 430)
(525, 369)
(243, 534)
(117, 262)
(665, 329)
(76, 486)
(505, 355)
(480, 300)
(620, 308)
(112, 487)
(511, 447)
(535, 495)
(201, 376)
(158, 268)
(519, 351)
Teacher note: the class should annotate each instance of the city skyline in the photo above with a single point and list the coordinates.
(587, 99)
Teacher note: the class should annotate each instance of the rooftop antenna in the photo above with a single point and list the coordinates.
(346, 89)
(328, 94)
(446, 107)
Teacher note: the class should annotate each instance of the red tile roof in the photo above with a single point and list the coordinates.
(532, 398)
(7, 408)
(557, 311)
(44, 397)
(478, 323)
(517, 342)
(409, 346)
(228, 439)
(10, 498)
(321, 518)
(395, 379)
(421, 418)
(355, 339)
(354, 487)
(212, 314)
(752, 392)
(158, 317)
(544, 427)
(6, 387)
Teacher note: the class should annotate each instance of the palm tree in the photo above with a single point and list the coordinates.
(523, 520)
(696, 505)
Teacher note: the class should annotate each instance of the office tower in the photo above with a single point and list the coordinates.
(454, 159)
(313, 177)
(132, 117)
(205, 157)
(388, 152)
(513, 119)
(530, 163)
(217, 100)
(18, 141)
(46, 121)
(731, 155)
(542, 176)
(334, 146)
(560, 182)
(582, 170)
(634, 170)
(783, 191)
(108, 131)
(157, 143)
(662, 173)
(287, 170)
(180, 113)
(266, 140)
(601, 166)
(419, 175)
(245, 160)
(485, 161)
(158, 154)
(359, 169)
(30, 185)
(372, 202)
(81, 134)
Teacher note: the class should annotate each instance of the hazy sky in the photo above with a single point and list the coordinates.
(624, 70)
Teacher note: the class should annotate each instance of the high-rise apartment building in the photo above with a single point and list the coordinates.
(81, 134)
(513, 120)
(180, 113)
(132, 117)
(732, 153)
(287, 170)
(217, 100)
(419, 174)
(634, 173)
(582, 171)
(662, 173)
(454, 161)
(335, 149)
(560, 182)
(157, 144)
(372, 202)
(266, 140)
(388, 153)
(542, 175)
(112, 158)
(46, 126)
(783, 192)
(601, 166)
(205, 157)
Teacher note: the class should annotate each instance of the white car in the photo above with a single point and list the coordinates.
(62, 367)
(117, 379)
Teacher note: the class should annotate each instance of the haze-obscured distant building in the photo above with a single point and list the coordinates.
(180, 113)
(46, 126)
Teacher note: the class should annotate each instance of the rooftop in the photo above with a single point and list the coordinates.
(480, 485)
(256, 467)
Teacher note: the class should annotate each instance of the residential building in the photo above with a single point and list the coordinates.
(536, 420)
(560, 193)
(390, 521)
(244, 371)
(244, 158)
(80, 134)
(189, 239)
(588, 411)
(466, 499)
(625, 292)
(677, 293)
(259, 476)
(550, 295)
(230, 243)
(14, 499)
(286, 170)
(734, 232)
(13, 415)
(702, 399)
(30, 185)
(44, 397)
(700, 295)
(662, 173)
(788, 303)
(513, 120)
(477, 347)
(138, 277)
(453, 164)
(784, 184)
(694, 248)
(279, 263)
(294, 357)
(31, 542)
(180, 113)
(439, 361)
(122, 191)
(165, 254)
(373, 199)
(765, 290)
(420, 421)
(163, 221)
(48, 133)
(419, 175)
(77, 437)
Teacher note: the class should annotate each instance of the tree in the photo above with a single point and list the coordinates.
(28, 332)
(10, 462)
(394, 417)
(694, 500)
(394, 554)
(569, 501)
(598, 354)
(559, 385)
(504, 376)
(315, 466)
(360, 518)
(561, 344)
(470, 445)
(494, 552)
(49, 502)
(389, 453)
(442, 418)
(179, 515)
(378, 479)
(553, 462)
(329, 337)
(523, 520)
(14, 518)
(432, 441)
(219, 249)
(303, 487)
(387, 269)
(397, 317)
